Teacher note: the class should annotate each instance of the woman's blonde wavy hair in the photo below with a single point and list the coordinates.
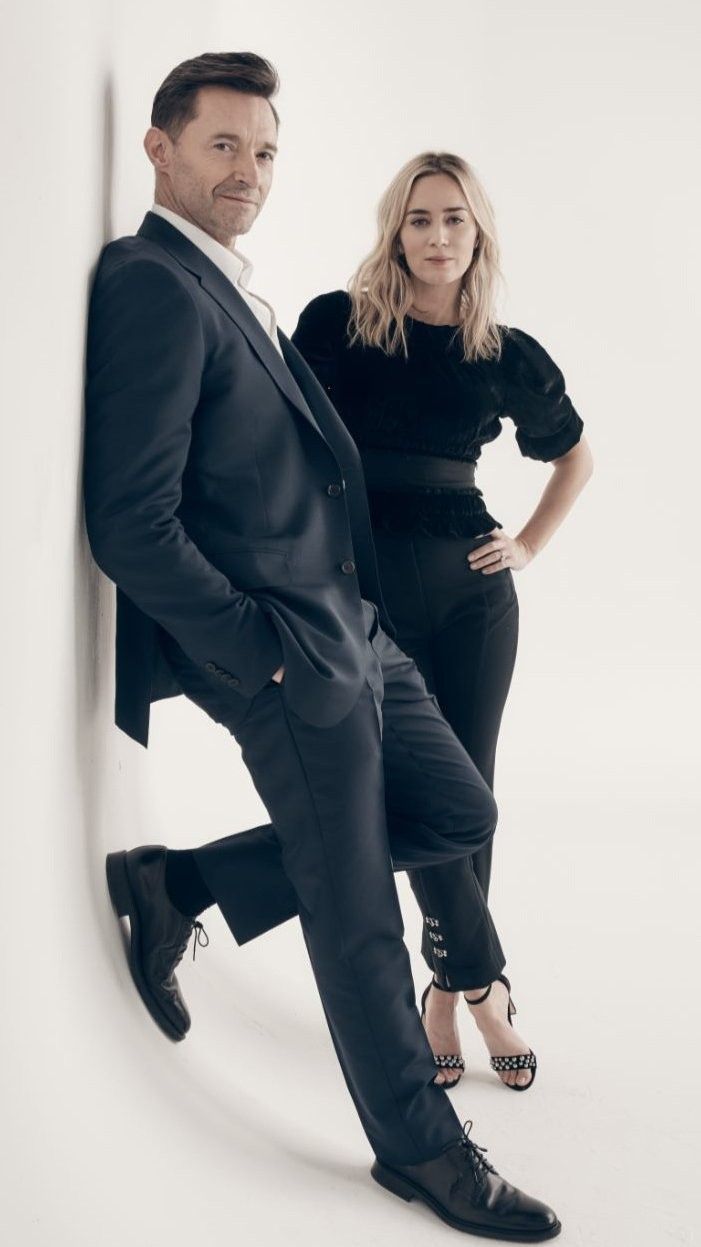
(381, 288)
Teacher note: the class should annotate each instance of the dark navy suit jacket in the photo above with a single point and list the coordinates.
(224, 495)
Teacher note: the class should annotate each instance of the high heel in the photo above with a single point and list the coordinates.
(523, 1060)
(451, 1061)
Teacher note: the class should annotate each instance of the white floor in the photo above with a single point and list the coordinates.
(245, 1133)
(269, 1146)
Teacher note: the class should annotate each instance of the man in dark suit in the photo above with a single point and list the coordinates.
(225, 498)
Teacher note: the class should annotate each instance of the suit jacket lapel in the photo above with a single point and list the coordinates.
(297, 382)
(328, 420)
(220, 288)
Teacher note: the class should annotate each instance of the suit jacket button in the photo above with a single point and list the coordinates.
(210, 666)
(348, 566)
(333, 490)
(233, 680)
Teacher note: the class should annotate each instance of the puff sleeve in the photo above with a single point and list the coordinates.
(319, 336)
(534, 397)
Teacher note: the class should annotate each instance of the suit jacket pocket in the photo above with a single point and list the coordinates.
(258, 568)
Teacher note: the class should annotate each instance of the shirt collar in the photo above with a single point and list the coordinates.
(236, 266)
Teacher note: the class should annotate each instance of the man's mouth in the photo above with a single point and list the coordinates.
(238, 198)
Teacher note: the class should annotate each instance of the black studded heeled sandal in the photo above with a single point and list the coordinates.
(452, 1060)
(523, 1060)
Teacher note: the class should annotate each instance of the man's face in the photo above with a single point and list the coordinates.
(220, 170)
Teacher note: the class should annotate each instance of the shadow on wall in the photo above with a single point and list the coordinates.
(94, 620)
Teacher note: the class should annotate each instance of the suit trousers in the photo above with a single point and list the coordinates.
(389, 787)
(461, 628)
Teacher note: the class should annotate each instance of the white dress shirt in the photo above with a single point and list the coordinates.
(232, 263)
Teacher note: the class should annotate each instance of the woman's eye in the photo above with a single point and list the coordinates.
(459, 220)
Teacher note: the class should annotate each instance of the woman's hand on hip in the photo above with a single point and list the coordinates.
(502, 551)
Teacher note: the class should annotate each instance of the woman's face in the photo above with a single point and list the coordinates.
(439, 232)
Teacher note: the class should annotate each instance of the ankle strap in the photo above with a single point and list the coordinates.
(479, 999)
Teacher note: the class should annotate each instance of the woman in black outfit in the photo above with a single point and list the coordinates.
(422, 375)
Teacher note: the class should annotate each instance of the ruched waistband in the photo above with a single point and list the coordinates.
(393, 469)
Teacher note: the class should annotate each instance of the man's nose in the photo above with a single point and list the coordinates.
(246, 169)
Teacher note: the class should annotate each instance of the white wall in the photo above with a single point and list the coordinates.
(579, 119)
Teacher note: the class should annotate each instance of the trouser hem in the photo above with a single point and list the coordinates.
(461, 979)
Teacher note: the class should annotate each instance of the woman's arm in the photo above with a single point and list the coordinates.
(569, 476)
(547, 429)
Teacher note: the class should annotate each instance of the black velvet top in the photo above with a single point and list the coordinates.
(435, 404)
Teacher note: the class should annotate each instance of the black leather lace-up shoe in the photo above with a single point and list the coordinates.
(159, 933)
(466, 1191)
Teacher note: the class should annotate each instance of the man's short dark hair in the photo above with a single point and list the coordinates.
(175, 102)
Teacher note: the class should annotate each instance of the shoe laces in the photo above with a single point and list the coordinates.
(199, 930)
(475, 1154)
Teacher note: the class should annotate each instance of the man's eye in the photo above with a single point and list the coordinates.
(268, 154)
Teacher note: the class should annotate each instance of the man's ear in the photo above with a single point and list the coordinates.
(155, 145)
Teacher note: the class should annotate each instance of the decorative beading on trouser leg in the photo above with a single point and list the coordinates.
(436, 938)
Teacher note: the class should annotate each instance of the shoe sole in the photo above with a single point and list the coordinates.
(399, 1185)
(124, 904)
